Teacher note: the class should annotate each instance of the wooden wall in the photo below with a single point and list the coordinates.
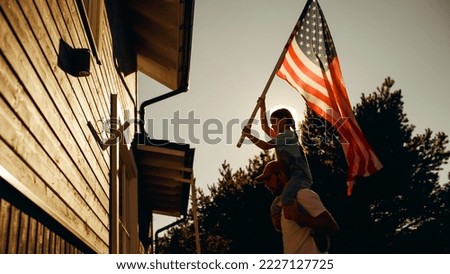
(25, 228)
(46, 149)
(24, 234)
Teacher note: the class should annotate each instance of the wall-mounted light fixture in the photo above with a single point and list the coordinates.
(82, 61)
(75, 61)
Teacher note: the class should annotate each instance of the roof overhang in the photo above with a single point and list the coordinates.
(163, 32)
(165, 176)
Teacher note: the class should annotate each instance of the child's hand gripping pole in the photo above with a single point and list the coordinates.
(252, 117)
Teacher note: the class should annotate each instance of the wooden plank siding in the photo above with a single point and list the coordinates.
(47, 151)
(21, 233)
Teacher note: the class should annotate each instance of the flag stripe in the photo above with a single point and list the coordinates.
(298, 72)
(363, 159)
(302, 63)
(309, 92)
(311, 66)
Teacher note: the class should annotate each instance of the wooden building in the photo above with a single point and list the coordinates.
(77, 171)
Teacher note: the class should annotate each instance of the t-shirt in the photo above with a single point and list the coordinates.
(290, 153)
(296, 239)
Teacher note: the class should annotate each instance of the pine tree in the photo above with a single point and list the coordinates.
(388, 209)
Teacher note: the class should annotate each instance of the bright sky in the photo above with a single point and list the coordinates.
(236, 44)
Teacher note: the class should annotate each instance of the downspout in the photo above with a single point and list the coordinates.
(165, 228)
(185, 67)
(184, 86)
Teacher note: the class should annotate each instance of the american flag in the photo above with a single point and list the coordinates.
(311, 66)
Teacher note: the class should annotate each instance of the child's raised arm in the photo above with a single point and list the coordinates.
(264, 123)
(259, 143)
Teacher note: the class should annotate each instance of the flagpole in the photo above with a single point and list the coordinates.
(274, 72)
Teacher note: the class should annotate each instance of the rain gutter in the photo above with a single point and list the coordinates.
(185, 66)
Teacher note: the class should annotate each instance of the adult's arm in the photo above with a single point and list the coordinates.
(323, 223)
(318, 218)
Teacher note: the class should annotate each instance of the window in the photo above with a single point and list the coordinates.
(94, 12)
(91, 12)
